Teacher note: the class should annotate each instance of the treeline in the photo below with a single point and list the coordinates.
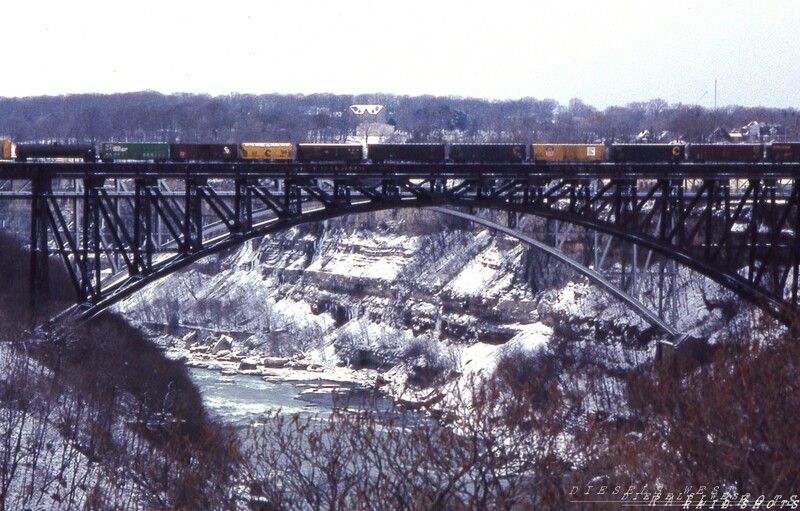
(149, 116)
(95, 417)
(551, 430)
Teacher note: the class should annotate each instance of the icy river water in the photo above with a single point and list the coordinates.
(243, 398)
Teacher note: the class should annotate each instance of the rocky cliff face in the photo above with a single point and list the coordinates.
(374, 290)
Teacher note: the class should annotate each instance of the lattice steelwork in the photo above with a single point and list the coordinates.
(735, 223)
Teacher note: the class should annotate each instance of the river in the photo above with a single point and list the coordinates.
(242, 399)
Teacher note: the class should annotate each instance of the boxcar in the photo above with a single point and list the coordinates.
(269, 151)
(782, 151)
(349, 153)
(5, 149)
(647, 153)
(84, 152)
(203, 152)
(138, 151)
(745, 153)
(425, 153)
(487, 153)
(568, 152)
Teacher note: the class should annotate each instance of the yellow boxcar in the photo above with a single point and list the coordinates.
(568, 152)
(5, 151)
(273, 151)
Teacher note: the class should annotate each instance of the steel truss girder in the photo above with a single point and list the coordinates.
(740, 232)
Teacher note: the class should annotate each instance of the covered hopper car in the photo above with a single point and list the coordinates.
(265, 151)
(568, 152)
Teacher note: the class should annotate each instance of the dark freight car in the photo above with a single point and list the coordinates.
(203, 152)
(424, 153)
(83, 152)
(647, 153)
(745, 153)
(349, 153)
(487, 153)
(780, 152)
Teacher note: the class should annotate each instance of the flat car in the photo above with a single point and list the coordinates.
(84, 152)
(422, 153)
(568, 152)
(487, 153)
(265, 151)
(348, 153)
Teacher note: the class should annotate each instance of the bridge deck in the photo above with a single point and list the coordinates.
(556, 170)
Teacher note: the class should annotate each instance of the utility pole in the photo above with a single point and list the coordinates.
(715, 94)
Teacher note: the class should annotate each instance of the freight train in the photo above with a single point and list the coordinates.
(403, 153)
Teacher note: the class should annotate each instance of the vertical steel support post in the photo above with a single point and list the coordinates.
(293, 198)
(678, 211)
(774, 257)
(142, 226)
(90, 259)
(341, 192)
(39, 267)
(753, 235)
(726, 238)
(83, 258)
(711, 185)
(138, 265)
(193, 216)
(243, 206)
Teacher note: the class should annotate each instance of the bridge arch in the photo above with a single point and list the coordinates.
(127, 286)
(598, 279)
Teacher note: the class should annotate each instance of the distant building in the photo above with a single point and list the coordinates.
(663, 136)
(753, 132)
(721, 135)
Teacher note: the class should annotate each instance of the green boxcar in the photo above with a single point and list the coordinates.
(137, 151)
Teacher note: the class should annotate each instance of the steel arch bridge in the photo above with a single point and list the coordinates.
(734, 223)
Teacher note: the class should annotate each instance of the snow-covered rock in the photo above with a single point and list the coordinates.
(402, 294)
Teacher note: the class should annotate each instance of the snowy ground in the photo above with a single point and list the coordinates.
(325, 296)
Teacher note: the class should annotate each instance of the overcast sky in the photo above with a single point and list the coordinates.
(609, 52)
